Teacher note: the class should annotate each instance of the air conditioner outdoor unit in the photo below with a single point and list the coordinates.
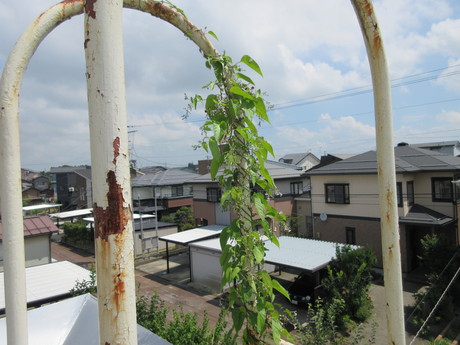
(71, 189)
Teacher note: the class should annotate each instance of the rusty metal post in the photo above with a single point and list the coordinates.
(10, 169)
(110, 172)
(107, 141)
(386, 171)
(13, 231)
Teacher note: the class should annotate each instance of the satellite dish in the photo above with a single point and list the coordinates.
(323, 217)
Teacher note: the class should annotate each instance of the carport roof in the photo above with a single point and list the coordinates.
(193, 235)
(305, 254)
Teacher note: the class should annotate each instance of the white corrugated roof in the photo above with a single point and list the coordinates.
(74, 213)
(135, 217)
(306, 254)
(192, 235)
(48, 281)
(40, 207)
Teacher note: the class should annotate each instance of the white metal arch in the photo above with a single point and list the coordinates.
(10, 183)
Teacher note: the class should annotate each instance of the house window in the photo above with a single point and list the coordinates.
(177, 190)
(213, 194)
(410, 193)
(337, 194)
(351, 235)
(441, 189)
(399, 193)
(296, 188)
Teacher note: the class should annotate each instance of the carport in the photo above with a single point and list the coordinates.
(186, 237)
(306, 255)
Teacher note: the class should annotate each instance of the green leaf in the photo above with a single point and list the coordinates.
(249, 61)
(258, 254)
(205, 145)
(211, 102)
(259, 205)
(277, 329)
(261, 109)
(278, 287)
(217, 131)
(245, 78)
(238, 91)
(211, 33)
(267, 146)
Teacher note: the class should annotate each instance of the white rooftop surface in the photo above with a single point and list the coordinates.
(306, 254)
(40, 207)
(73, 321)
(135, 216)
(49, 280)
(193, 235)
(74, 213)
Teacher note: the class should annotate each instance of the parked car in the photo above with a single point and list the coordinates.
(302, 290)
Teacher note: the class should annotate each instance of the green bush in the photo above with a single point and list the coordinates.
(349, 278)
(78, 232)
(85, 286)
(437, 252)
(184, 328)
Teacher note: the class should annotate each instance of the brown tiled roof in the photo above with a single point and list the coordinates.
(35, 226)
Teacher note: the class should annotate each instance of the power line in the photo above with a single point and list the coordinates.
(364, 89)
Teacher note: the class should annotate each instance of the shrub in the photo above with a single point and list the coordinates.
(437, 252)
(86, 286)
(78, 232)
(184, 328)
(349, 278)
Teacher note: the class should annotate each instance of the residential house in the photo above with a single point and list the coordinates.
(36, 188)
(37, 235)
(346, 205)
(73, 187)
(290, 182)
(448, 147)
(306, 160)
(167, 188)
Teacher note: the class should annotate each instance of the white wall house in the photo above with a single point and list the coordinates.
(37, 234)
(346, 207)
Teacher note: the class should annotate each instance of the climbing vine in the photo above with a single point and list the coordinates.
(234, 109)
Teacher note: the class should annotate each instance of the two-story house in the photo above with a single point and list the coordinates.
(346, 206)
(168, 186)
(306, 160)
(290, 181)
(73, 187)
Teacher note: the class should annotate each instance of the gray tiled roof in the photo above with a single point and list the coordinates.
(277, 170)
(407, 159)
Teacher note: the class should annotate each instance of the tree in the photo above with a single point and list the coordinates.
(441, 260)
(349, 278)
(184, 218)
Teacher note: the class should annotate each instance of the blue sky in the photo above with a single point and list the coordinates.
(316, 75)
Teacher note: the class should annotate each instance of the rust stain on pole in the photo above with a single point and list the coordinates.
(113, 219)
(89, 8)
(116, 147)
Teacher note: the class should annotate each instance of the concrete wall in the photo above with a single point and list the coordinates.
(150, 240)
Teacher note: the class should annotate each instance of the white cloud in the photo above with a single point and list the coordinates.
(449, 118)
